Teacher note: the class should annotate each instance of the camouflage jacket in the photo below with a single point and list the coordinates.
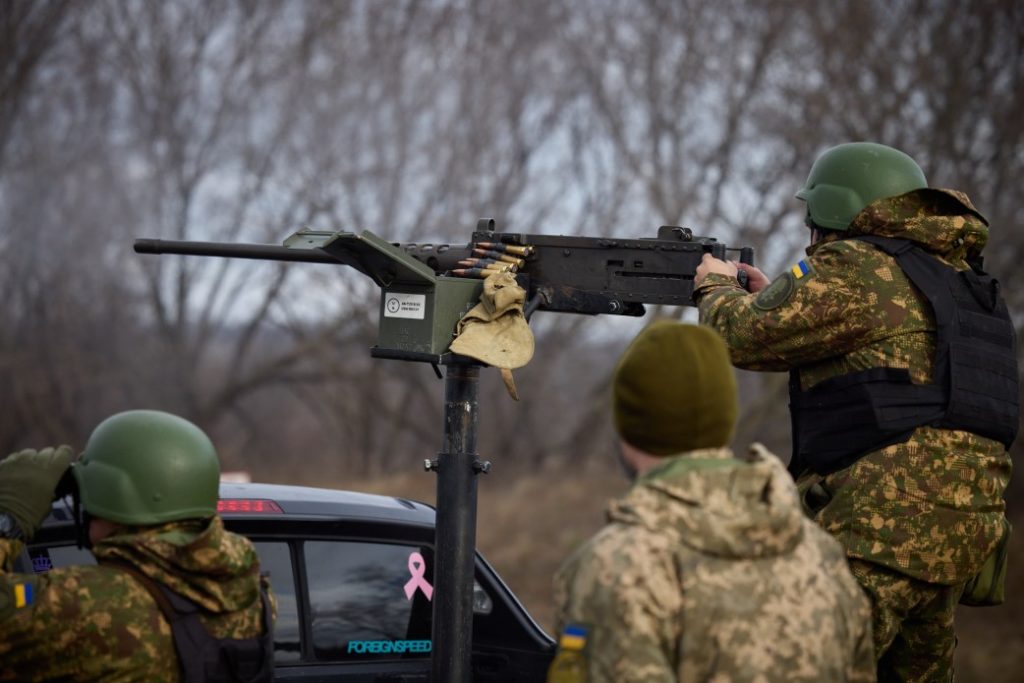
(96, 622)
(708, 570)
(930, 507)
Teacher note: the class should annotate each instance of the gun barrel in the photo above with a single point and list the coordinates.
(263, 252)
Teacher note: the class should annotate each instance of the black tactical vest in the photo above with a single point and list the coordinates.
(203, 658)
(974, 389)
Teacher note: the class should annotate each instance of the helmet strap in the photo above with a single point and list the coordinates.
(81, 519)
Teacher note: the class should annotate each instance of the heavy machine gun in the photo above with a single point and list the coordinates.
(562, 274)
(426, 289)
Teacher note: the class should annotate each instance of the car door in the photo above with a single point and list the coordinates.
(355, 604)
(354, 601)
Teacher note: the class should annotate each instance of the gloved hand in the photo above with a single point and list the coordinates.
(27, 482)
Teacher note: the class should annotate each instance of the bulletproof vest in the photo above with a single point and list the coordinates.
(203, 658)
(974, 386)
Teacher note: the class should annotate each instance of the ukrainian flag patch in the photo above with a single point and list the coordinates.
(574, 637)
(800, 269)
(22, 595)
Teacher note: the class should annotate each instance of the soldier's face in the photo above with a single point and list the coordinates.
(628, 468)
(100, 529)
(814, 230)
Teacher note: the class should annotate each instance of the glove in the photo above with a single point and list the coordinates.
(27, 482)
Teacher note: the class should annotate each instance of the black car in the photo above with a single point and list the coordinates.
(353, 577)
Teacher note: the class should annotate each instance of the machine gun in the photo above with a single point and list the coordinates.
(426, 289)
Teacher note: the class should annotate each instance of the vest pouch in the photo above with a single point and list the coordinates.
(988, 587)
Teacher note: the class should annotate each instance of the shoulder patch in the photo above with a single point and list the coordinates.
(776, 293)
(16, 593)
(801, 269)
(782, 287)
(574, 637)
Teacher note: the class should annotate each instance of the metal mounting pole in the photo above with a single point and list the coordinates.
(455, 529)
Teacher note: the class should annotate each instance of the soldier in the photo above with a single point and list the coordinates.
(707, 568)
(148, 484)
(903, 390)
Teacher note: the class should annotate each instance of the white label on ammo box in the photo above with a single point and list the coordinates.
(405, 305)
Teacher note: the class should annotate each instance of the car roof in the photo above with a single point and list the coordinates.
(304, 502)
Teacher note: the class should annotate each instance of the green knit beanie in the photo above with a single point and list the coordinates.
(674, 390)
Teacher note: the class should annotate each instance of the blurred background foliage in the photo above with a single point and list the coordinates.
(243, 120)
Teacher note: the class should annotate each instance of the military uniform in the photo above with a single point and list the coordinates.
(709, 571)
(99, 623)
(919, 517)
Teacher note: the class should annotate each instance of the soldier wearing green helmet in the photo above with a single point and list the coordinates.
(173, 596)
(847, 178)
(177, 478)
(903, 390)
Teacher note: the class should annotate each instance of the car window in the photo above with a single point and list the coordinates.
(369, 600)
(44, 559)
(276, 563)
(364, 601)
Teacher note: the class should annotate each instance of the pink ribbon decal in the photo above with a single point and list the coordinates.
(417, 567)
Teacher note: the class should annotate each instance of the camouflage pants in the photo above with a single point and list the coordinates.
(912, 622)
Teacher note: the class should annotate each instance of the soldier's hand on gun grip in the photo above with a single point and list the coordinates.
(756, 280)
(27, 482)
(709, 264)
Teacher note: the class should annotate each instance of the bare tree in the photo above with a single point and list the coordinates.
(240, 121)
(29, 30)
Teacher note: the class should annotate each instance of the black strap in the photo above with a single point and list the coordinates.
(248, 659)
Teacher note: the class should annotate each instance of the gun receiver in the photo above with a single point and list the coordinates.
(594, 275)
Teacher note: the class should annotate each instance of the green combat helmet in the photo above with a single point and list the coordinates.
(145, 467)
(848, 177)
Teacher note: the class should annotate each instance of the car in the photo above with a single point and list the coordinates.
(352, 573)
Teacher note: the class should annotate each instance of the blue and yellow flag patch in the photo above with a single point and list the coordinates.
(22, 595)
(782, 287)
(574, 637)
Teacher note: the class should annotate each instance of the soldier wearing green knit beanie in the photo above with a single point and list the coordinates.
(674, 390)
(707, 567)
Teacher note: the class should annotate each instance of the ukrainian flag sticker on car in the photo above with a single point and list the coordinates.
(800, 269)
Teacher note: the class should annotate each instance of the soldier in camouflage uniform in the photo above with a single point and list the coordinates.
(148, 482)
(901, 424)
(707, 569)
